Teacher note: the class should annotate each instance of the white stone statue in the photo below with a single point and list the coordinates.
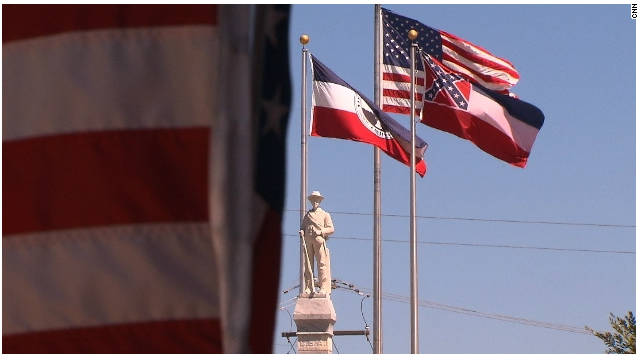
(316, 228)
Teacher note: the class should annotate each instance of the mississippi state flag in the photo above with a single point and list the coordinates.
(500, 125)
(125, 193)
(340, 111)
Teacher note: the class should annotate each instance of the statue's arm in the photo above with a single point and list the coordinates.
(328, 226)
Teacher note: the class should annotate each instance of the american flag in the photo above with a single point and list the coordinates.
(126, 193)
(471, 61)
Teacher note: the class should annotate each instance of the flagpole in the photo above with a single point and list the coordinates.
(377, 214)
(304, 40)
(413, 248)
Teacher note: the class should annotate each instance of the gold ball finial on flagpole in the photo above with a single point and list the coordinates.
(413, 34)
(304, 39)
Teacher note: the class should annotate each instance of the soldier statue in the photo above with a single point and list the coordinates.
(316, 228)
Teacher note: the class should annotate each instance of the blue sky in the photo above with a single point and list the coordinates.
(577, 64)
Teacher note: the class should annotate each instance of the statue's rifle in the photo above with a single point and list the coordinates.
(309, 264)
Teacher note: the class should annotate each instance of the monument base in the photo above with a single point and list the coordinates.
(314, 316)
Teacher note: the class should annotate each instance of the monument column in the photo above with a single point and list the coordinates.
(314, 317)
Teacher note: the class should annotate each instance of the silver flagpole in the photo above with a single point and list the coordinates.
(304, 40)
(414, 245)
(377, 238)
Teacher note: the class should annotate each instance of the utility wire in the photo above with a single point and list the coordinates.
(515, 221)
(504, 246)
(290, 326)
(288, 303)
(455, 309)
(500, 317)
(493, 316)
(334, 345)
(340, 284)
(366, 325)
(293, 348)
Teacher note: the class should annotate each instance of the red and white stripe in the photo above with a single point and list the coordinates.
(477, 64)
(108, 275)
(114, 238)
(396, 89)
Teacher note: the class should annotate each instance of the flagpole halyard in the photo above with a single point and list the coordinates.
(304, 40)
(413, 244)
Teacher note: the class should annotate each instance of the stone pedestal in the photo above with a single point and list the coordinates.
(314, 317)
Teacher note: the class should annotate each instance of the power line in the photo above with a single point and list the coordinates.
(513, 221)
(458, 310)
(500, 317)
(503, 246)
(471, 312)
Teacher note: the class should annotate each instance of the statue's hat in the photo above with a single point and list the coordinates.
(315, 195)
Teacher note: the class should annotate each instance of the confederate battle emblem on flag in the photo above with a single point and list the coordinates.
(446, 87)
